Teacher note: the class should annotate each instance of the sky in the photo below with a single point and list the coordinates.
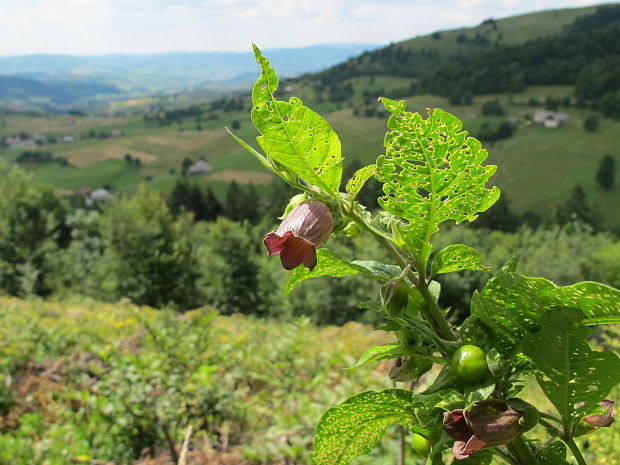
(96, 27)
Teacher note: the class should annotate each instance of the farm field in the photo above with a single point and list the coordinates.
(545, 164)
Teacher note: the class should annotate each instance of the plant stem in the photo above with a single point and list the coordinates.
(574, 448)
(550, 417)
(522, 451)
(434, 312)
(508, 458)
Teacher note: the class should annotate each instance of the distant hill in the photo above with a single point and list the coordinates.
(416, 56)
(176, 71)
(50, 93)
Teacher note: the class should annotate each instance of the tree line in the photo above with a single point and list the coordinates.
(161, 252)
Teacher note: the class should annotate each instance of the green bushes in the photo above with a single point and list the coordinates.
(85, 381)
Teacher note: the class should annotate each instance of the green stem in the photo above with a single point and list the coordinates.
(522, 451)
(575, 450)
(434, 312)
(550, 417)
(549, 427)
(507, 457)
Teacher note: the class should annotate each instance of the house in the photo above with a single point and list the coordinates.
(200, 167)
(68, 138)
(550, 119)
(100, 194)
(116, 133)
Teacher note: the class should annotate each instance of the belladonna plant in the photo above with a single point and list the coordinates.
(518, 328)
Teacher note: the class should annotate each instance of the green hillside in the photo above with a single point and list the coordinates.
(538, 166)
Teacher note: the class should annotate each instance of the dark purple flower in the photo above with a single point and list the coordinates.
(307, 225)
(487, 424)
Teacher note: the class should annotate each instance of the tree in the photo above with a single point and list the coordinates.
(230, 259)
(606, 173)
(499, 217)
(591, 123)
(493, 107)
(148, 255)
(187, 196)
(576, 208)
(32, 229)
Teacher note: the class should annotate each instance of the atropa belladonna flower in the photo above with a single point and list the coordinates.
(591, 423)
(307, 225)
(487, 424)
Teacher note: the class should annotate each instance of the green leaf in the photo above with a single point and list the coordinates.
(294, 135)
(382, 352)
(553, 454)
(511, 306)
(569, 371)
(431, 172)
(446, 379)
(358, 180)
(356, 426)
(327, 264)
(457, 257)
(378, 270)
(599, 303)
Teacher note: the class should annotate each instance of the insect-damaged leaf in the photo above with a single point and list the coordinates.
(356, 426)
(457, 257)
(358, 180)
(573, 376)
(599, 303)
(431, 172)
(293, 135)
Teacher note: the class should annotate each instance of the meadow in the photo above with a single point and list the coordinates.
(544, 164)
(99, 383)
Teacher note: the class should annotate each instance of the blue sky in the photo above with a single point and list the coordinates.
(93, 27)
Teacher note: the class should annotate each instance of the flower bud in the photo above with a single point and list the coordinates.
(487, 424)
(591, 423)
(494, 422)
(307, 225)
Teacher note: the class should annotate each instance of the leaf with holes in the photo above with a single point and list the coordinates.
(357, 425)
(431, 172)
(294, 135)
(330, 264)
(457, 257)
(599, 303)
(384, 351)
(358, 180)
(511, 306)
(573, 376)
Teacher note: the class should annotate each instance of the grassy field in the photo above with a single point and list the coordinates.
(538, 167)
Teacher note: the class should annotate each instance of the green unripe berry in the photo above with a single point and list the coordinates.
(420, 445)
(470, 364)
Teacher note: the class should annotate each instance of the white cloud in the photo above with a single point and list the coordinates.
(149, 26)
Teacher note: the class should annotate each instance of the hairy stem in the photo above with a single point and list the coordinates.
(522, 451)
(507, 457)
(434, 312)
(574, 448)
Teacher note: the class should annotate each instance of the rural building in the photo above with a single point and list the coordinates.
(116, 133)
(100, 194)
(200, 167)
(68, 138)
(550, 119)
